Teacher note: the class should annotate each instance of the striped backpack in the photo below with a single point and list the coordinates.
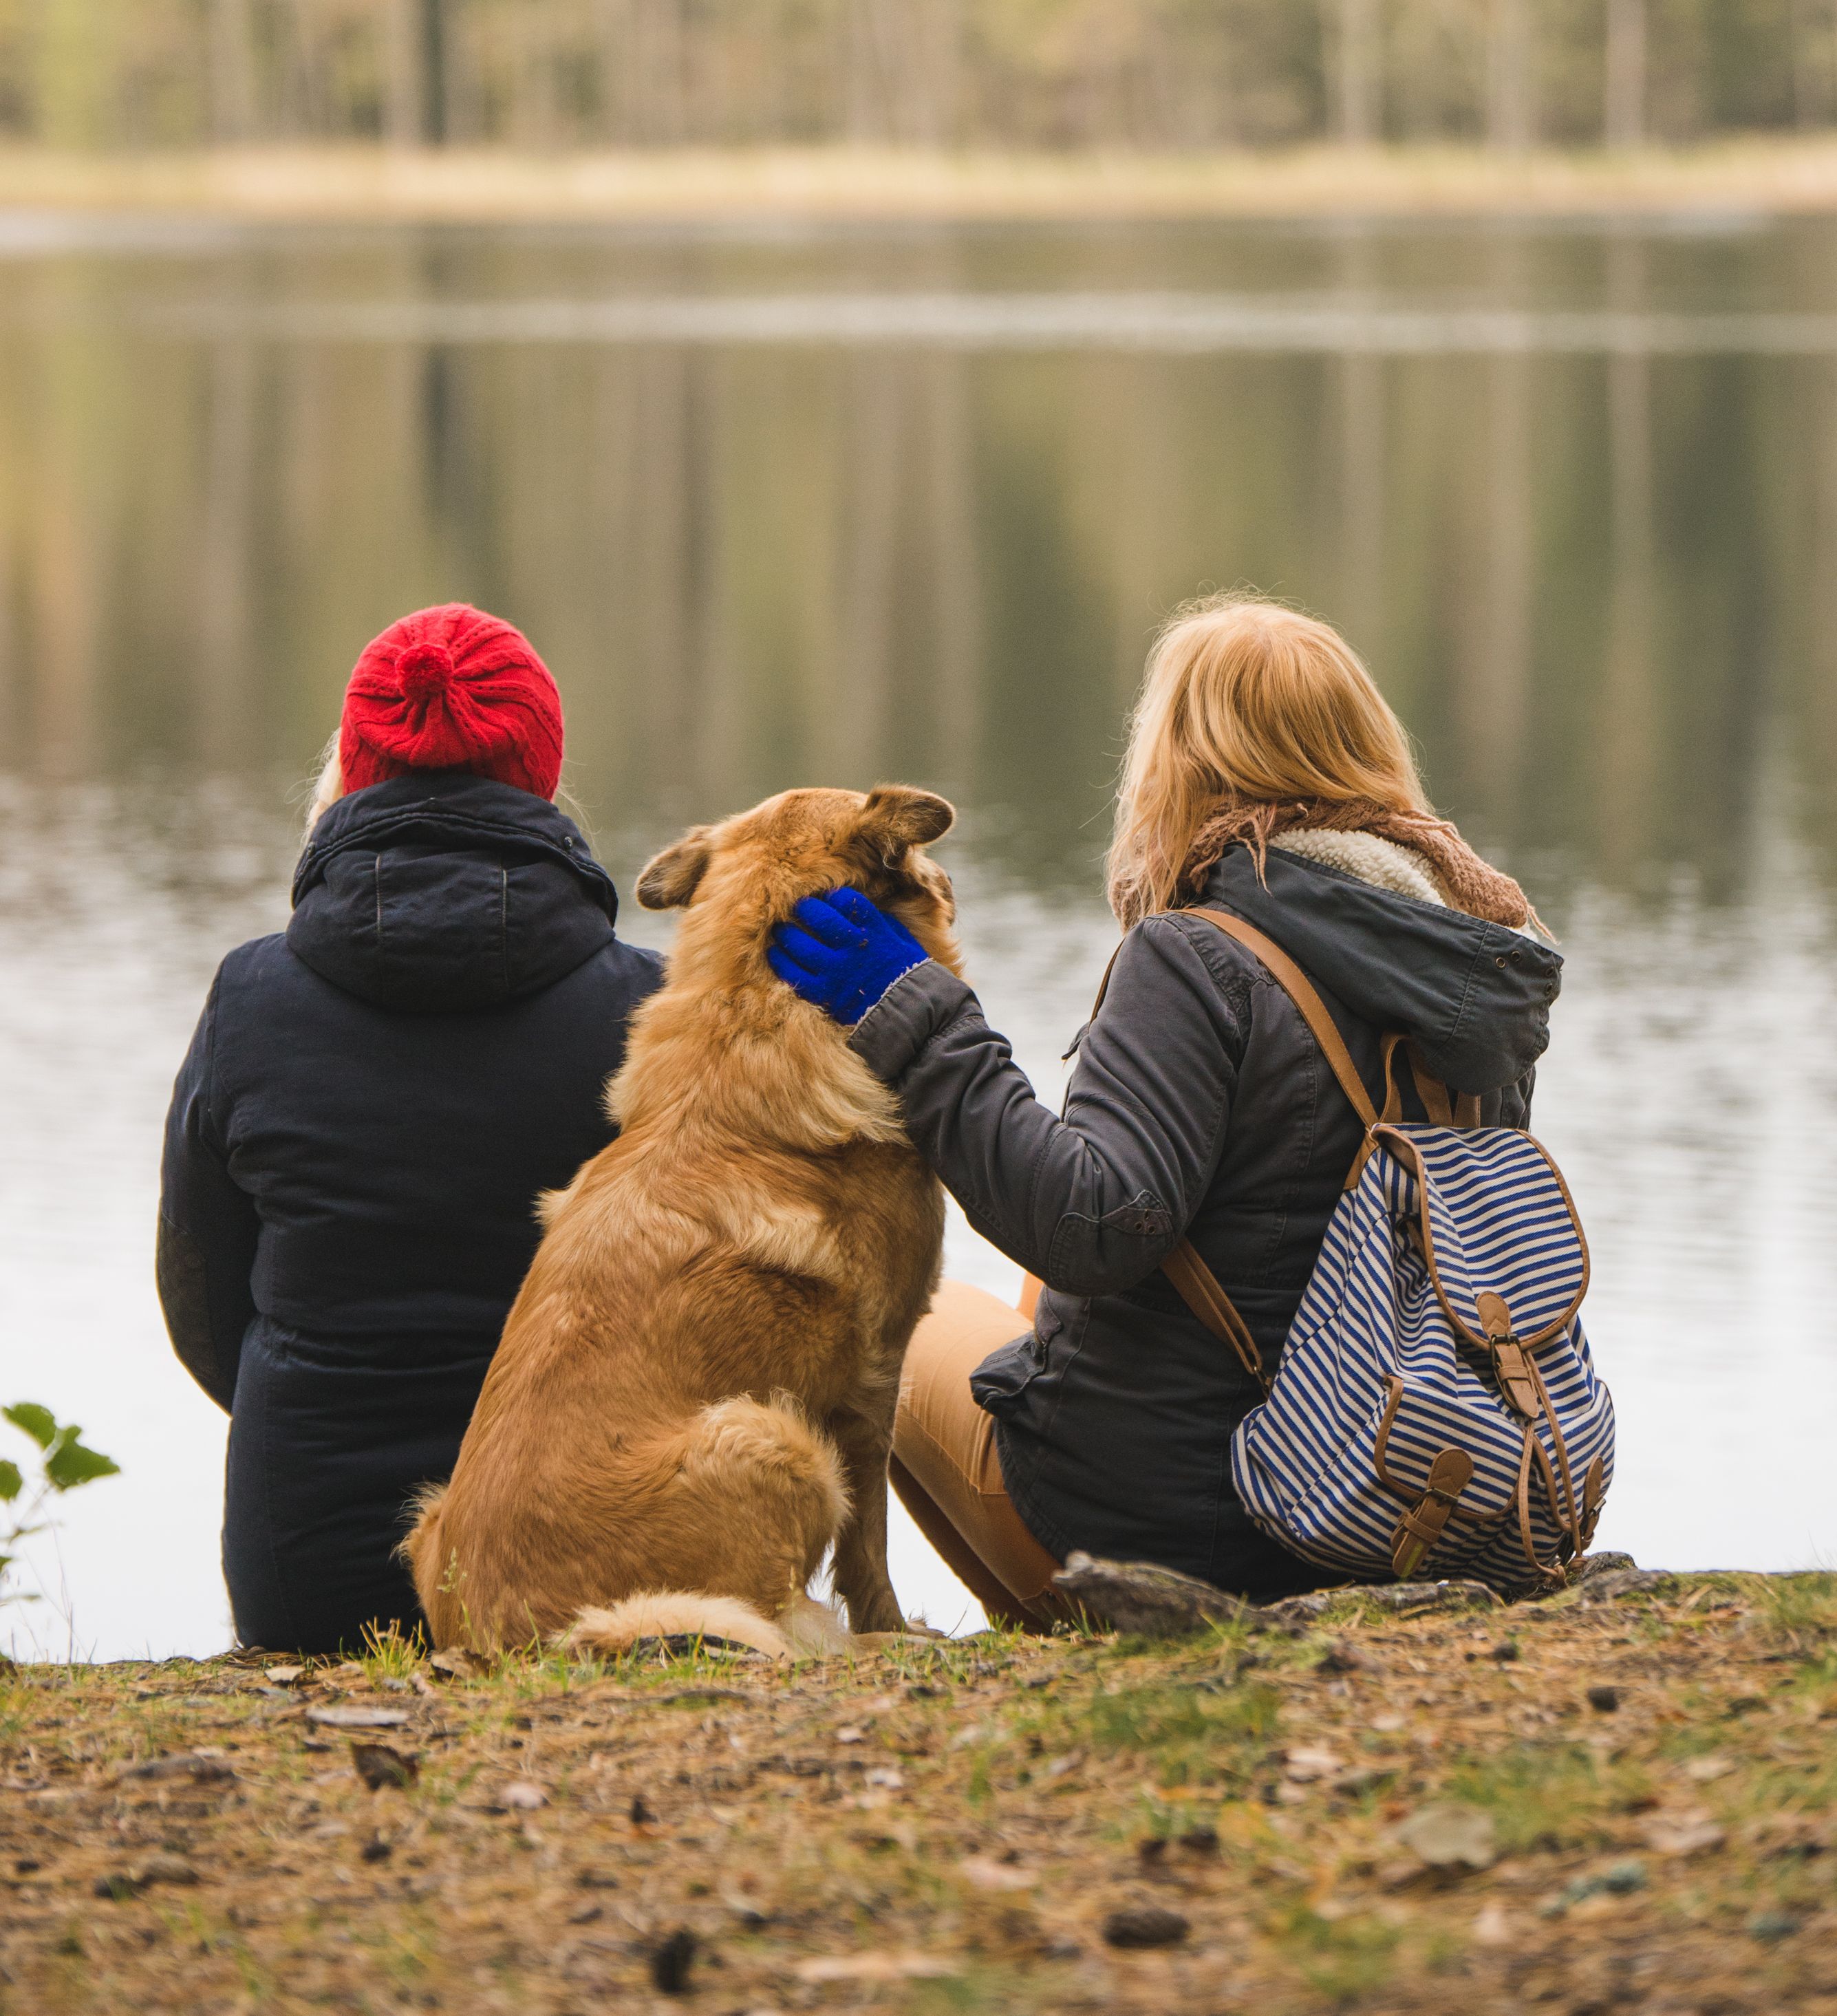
(1435, 1409)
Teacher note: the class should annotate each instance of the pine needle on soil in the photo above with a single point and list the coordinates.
(1423, 1815)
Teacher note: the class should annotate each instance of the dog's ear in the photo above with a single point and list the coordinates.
(896, 817)
(669, 880)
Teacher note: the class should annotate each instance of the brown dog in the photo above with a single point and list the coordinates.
(693, 1399)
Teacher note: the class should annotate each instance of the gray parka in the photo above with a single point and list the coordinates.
(1199, 1106)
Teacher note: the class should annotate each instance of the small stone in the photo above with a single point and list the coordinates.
(1505, 1651)
(851, 1732)
(1145, 1925)
(1450, 1835)
(884, 1778)
(1623, 1878)
(376, 1849)
(671, 1960)
(596, 1879)
(1604, 1700)
(523, 1797)
(1201, 1841)
(1151, 1850)
(378, 1766)
(457, 1664)
(284, 1676)
(1771, 1926)
(641, 1815)
(358, 1718)
(1340, 1657)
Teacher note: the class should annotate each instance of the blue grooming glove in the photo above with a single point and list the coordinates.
(842, 953)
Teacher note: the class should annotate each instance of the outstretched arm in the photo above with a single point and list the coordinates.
(207, 1230)
(1092, 1202)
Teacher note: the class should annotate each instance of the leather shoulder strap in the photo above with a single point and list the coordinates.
(1300, 990)
(1198, 1288)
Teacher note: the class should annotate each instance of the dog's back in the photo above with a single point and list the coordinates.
(722, 1297)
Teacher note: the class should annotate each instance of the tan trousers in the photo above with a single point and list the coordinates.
(945, 1468)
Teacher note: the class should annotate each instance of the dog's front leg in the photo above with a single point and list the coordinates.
(863, 1433)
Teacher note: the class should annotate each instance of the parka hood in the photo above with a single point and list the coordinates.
(440, 892)
(1474, 997)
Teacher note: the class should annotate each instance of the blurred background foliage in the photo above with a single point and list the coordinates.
(1055, 73)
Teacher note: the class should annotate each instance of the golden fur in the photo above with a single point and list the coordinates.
(694, 1393)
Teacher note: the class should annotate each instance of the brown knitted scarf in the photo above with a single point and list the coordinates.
(1469, 883)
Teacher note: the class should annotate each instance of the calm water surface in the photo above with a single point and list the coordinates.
(789, 507)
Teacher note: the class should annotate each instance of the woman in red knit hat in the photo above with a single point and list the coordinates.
(372, 1103)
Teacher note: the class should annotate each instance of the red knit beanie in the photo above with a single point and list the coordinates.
(452, 689)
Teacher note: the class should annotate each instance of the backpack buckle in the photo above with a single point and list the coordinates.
(1416, 1532)
(1511, 1367)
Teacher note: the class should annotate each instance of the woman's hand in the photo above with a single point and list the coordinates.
(842, 954)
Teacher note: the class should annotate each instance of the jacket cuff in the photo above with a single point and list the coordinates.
(889, 1037)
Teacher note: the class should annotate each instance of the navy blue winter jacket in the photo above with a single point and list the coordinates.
(369, 1108)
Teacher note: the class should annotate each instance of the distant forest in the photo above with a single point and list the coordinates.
(1141, 74)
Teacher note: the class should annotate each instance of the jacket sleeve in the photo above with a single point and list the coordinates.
(1093, 1202)
(207, 1231)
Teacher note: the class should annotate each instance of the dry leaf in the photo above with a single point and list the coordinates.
(874, 1967)
(1693, 1832)
(284, 1676)
(981, 1872)
(1706, 1770)
(1305, 1764)
(378, 1766)
(457, 1664)
(1492, 1927)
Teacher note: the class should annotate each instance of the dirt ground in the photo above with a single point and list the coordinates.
(1582, 1805)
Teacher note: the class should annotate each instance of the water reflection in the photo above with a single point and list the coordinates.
(1598, 577)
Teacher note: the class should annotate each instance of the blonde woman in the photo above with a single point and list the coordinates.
(1265, 776)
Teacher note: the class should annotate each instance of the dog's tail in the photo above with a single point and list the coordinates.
(755, 1491)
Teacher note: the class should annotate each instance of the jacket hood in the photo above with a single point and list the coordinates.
(441, 892)
(1474, 997)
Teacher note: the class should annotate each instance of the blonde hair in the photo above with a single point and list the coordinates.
(328, 787)
(1245, 699)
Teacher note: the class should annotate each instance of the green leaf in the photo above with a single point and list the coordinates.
(39, 1423)
(71, 1464)
(11, 1484)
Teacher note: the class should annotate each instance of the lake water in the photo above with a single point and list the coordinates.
(792, 506)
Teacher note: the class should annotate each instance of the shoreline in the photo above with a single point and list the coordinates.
(1625, 1794)
(334, 184)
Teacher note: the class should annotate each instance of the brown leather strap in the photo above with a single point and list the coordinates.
(1300, 990)
(1200, 1291)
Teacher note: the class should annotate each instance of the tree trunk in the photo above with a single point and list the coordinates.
(1623, 112)
(1360, 110)
(231, 72)
(404, 100)
(432, 36)
(1509, 120)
